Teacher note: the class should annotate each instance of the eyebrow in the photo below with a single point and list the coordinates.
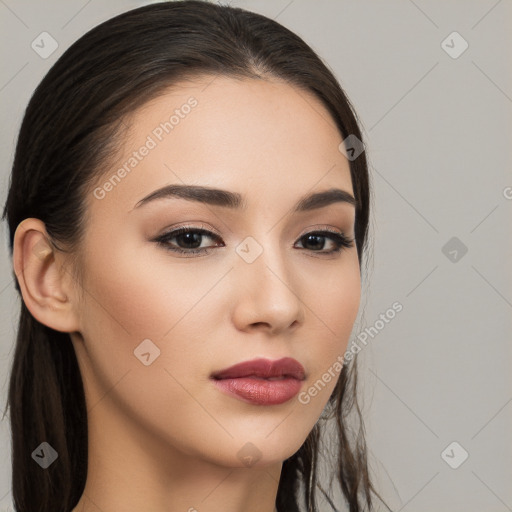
(234, 200)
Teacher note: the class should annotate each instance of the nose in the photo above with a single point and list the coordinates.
(267, 295)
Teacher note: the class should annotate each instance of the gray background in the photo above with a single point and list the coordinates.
(437, 129)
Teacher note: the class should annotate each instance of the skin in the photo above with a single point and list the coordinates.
(162, 437)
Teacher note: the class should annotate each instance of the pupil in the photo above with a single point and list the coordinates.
(317, 237)
(189, 238)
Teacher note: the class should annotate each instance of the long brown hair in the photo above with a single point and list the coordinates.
(70, 129)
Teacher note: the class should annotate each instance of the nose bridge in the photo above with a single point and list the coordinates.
(263, 258)
(267, 279)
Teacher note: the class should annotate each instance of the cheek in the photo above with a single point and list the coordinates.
(139, 293)
(333, 302)
(136, 295)
(339, 303)
(144, 293)
(332, 306)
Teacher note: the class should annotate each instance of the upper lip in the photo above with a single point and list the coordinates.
(264, 368)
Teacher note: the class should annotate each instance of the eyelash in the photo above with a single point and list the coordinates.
(340, 239)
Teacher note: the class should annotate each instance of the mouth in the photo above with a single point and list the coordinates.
(287, 367)
(261, 381)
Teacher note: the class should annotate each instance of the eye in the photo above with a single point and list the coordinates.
(188, 240)
(315, 238)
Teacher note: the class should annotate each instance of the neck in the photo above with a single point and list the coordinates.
(133, 471)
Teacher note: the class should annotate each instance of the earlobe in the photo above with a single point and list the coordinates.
(40, 276)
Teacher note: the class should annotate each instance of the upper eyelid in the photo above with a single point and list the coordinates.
(203, 229)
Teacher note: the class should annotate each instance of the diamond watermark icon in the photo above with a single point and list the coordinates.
(44, 45)
(454, 45)
(454, 249)
(146, 352)
(44, 455)
(249, 249)
(41, 249)
(351, 147)
(454, 455)
(249, 454)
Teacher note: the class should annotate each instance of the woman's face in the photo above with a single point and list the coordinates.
(155, 323)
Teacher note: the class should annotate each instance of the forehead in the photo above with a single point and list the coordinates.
(265, 139)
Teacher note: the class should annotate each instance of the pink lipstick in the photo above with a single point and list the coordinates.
(262, 381)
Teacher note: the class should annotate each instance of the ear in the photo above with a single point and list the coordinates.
(44, 283)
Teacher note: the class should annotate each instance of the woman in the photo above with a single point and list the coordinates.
(188, 215)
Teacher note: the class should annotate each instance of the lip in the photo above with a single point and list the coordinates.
(250, 381)
(263, 368)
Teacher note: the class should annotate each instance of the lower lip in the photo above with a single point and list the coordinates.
(260, 391)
